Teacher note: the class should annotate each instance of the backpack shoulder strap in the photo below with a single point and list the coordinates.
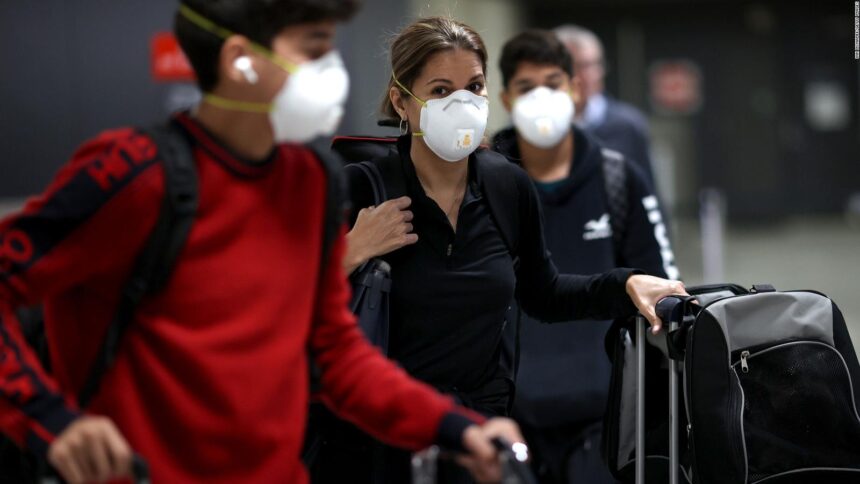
(155, 262)
(374, 177)
(503, 196)
(334, 216)
(334, 204)
(615, 180)
(373, 155)
(390, 174)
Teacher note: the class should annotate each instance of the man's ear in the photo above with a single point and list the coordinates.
(507, 101)
(235, 47)
(576, 92)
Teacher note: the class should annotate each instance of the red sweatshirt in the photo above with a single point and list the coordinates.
(211, 380)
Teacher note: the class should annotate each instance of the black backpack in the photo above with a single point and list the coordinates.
(151, 271)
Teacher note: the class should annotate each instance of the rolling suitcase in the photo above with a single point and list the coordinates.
(637, 425)
(769, 391)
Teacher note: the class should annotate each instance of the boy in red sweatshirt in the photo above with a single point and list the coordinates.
(211, 379)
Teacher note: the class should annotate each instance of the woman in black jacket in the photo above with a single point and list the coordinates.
(459, 249)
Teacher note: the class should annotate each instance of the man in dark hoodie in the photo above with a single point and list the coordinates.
(600, 212)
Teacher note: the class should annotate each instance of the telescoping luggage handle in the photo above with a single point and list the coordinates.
(514, 459)
(665, 314)
(674, 312)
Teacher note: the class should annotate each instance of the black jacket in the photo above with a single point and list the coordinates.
(564, 372)
(624, 129)
(449, 310)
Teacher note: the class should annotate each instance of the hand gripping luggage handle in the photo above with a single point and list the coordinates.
(675, 313)
(514, 459)
(139, 472)
(673, 308)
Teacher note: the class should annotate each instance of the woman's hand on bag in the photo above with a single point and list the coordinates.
(646, 291)
(378, 231)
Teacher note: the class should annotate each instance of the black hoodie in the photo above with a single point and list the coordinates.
(564, 372)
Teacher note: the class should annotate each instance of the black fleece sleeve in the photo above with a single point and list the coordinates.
(548, 296)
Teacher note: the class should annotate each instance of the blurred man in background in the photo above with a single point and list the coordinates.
(618, 125)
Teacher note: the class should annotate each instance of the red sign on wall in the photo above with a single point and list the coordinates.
(169, 63)
(676, 87)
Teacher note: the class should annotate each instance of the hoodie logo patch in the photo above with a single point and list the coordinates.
(598, 229)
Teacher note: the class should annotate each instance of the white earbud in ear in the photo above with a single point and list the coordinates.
(243, 64)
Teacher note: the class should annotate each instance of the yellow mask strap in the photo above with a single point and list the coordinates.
(420, 101)
(233, 105)
(219, 31)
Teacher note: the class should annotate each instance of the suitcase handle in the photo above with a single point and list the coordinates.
(676, 310)
(513, 457)
(516, 457)
(139, 472)
(672, 309)
(639, 468)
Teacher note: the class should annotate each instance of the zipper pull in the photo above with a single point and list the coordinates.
(448, 252)
(745, 367)
(689, 428)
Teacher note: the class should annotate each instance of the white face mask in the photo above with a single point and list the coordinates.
(453, 126)
(311, 101)
(543, 116)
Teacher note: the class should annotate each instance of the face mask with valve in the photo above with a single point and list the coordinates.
(452, 126)
(310, 102)
(543, 116)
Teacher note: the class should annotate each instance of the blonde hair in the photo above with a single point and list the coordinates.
(411, 48)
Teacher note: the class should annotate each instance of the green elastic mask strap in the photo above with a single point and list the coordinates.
(204, 23)
(233, 105)
(420, 101)
(209, 26)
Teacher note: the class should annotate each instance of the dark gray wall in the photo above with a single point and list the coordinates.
(70, 69)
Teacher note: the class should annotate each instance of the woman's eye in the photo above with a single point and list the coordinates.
(476, 87)
(440, 91)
